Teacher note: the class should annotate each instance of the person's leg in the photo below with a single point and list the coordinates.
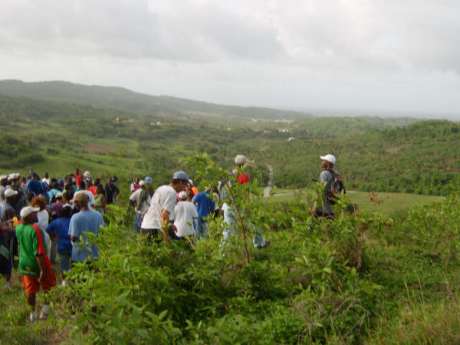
(31, 287)
(64, 261)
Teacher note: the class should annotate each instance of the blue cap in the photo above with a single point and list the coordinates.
(148, 180)
(180, 175)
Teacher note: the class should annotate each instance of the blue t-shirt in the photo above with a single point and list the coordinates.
(60, 228)
(81, 224)
(35, 187)
(204, 204)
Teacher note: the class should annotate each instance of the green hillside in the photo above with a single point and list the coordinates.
(126, 100)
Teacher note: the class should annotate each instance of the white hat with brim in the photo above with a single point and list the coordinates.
(328, 158)
(28, 210)
(9, 193)
(241, 159)
(3, 177)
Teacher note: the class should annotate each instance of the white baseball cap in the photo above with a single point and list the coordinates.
(240, 159)
(328, 158)
(9, 192)
(28, 210)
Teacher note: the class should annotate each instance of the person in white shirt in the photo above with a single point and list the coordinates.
(140, 200)
(160, 215)
(186, 216)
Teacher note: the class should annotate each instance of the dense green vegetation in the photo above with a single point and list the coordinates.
(386, 275)
(361, 279)
(385, 155)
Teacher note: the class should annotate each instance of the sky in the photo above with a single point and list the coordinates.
(372, 56)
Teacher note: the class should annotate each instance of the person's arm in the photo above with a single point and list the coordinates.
(74, 236)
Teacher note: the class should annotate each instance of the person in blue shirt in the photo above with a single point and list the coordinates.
(58, 230)
(35, 186)
(205, 206)
(84, 222)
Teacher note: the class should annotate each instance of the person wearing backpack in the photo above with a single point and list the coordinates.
(333, 186)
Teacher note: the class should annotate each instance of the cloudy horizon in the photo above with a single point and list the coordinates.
(362, 55)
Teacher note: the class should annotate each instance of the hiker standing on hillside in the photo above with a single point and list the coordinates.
(242, 178)
(7, 214)
(205, 206)
(333, 186)
(160, 215)
(58, 230)
(111, 190)
(85, 221)
(34, 264)
(140, 199)
(185, 216)
(35, 186)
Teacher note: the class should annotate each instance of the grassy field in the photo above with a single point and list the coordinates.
(385, 203)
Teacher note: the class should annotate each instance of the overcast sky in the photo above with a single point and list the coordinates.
(372, 55)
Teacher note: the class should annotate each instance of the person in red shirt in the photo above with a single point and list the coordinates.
(78, 177)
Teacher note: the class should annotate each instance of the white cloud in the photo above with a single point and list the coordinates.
(350, 54)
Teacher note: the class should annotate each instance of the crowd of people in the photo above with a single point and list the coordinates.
(47, 221)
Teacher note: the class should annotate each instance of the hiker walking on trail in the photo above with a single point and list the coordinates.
(140, 200)
(160, 215)
(333, 186)
(34, 264)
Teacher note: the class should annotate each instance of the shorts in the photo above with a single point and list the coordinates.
(64, 262)
(31, 285)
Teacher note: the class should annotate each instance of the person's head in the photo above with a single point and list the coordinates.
(81, 200)
(10, 195)
(29, 215)
(3, 180)
(83, 185)
(240, 160)
(66, 211)
(147, 183)
(39, 202)
(59, 197)
(35, 176)
(328, 161)
(183, 196)
(180, 181)
(46, 175)
(100, 189)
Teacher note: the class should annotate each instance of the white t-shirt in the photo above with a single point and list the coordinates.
(43, 221)
(186, 215)
(164, 198)
(143, 207)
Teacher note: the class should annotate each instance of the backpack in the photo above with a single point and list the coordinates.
(335, 188)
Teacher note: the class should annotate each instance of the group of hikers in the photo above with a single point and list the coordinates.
(47, 221)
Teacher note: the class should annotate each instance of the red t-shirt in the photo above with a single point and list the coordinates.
(243, 178)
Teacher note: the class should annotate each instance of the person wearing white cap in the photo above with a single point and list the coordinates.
(332, 183)
(186, 216)
(160, 215)
(34, 264)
